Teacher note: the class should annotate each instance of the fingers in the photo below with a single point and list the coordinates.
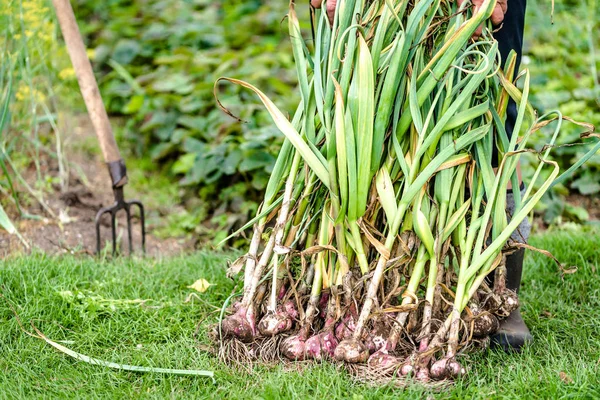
(499, 12)
(479, 30)
(497, 16)
(503, 4)
(330, 7)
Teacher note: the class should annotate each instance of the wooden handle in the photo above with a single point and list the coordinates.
(86, 79)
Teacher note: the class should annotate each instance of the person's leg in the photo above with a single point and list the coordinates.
(513, 333)
(510, 37)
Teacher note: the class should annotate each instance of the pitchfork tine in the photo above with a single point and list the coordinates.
(142, 221)
(121, 204)
(113, 227)
(98, 219)
(128, 214)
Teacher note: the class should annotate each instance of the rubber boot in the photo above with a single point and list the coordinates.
(513, 334)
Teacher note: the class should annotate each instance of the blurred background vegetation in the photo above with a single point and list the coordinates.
(31, 70)
(157, 61)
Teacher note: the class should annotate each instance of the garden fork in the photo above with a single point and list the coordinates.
(97, 113)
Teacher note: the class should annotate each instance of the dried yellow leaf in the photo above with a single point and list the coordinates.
(201, 285)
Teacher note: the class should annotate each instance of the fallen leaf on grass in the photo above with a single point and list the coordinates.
(201, 285)
(565, 378)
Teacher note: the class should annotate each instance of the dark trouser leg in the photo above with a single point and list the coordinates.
(510, 37)
(513, 333)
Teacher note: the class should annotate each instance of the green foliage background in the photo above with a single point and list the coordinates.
(32, 63)
(564, 60)
(158, 62)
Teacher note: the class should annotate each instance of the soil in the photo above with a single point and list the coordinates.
(72, 228)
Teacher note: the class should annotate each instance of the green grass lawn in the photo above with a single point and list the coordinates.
(86, 303)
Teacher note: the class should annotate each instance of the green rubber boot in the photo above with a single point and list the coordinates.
(513, 334)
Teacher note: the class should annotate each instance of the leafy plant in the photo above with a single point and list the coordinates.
(30, 63)
(564, 61)
(5, 221)
(158, 64)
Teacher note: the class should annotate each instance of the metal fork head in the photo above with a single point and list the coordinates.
(120, 204)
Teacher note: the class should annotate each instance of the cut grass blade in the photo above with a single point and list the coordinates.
(123, 367)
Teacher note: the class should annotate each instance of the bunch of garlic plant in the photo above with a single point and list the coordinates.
(384, 214)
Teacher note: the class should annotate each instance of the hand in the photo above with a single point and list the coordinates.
(496, 18)
(497, 15)
(330, 7)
